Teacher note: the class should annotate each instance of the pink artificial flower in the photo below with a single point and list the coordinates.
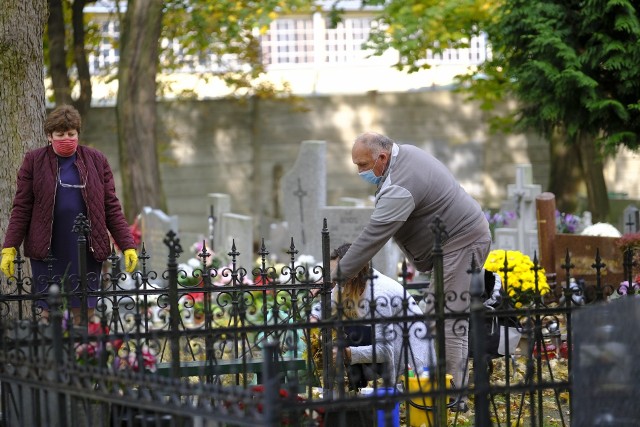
(623, 289)
(148, 360)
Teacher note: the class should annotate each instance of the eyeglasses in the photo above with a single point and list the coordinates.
(65, 185)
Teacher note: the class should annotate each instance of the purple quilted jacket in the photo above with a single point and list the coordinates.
(32, 213)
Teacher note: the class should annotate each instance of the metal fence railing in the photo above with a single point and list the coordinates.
(240, 347)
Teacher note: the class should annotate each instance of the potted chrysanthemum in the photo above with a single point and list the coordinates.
(519, 280)
(521, 283)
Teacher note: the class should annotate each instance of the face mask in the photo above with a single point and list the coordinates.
(370, 176)
(65, 147)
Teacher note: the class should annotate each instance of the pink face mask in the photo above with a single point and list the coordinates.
(65, 147)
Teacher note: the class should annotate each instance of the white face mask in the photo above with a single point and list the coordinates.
(370, 176)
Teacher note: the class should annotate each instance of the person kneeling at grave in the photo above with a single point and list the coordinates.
(384, 336)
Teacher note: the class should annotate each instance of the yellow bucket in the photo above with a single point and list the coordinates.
(421, 408)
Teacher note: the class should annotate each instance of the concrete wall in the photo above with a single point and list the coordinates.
(243, 148)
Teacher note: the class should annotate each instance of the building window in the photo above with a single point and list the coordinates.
(344, 43)
(289, 41)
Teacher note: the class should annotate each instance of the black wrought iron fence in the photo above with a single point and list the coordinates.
(241, 346)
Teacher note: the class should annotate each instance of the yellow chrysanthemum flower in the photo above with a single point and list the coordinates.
(520, 281)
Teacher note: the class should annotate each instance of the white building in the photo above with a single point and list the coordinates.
(301, 50)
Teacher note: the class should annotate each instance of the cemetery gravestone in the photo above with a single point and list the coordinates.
(606, 340)
(631, 219)
(230, 228)
(352, 201)
(303, 195)
(346, 223)
(524, 237)
(220, 205)
(238, 229)
(278, 241)
(154, 225)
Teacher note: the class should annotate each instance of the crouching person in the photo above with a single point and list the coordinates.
(377, 348)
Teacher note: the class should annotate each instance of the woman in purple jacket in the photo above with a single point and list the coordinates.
(56, 183)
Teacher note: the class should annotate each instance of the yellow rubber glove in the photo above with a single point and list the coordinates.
(6, 265)
(130, 260)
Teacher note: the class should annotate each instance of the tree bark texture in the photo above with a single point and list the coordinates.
(565, 174)
(136, 107)
(58, 54)
(592, 167)
(22, 100)
(58, 69)
(83, 103)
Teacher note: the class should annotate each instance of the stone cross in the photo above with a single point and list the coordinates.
(300, 193)
(631, 219)
(304, 193)
(524, 236)
(212, 228)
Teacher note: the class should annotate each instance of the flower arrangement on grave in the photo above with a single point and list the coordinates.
(191, 275)
(90, 352)
(269, 274)
(565, 222)
(520, 283)
(117, 355)
(499, 219)
(568, 223)
(127, 359)
(305, 269)
(191, 272)
(315, 350)
(630, 242)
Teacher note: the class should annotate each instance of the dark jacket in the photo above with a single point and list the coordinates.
(32, 212)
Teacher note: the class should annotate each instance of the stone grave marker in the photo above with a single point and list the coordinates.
(346, 223)
(154, 225)
(523, 237)
(606, 342)
(352, 201)
(278, 241)
(230, 227)
(304, 193)
(239, 229)
(631, 219)
(304, 203)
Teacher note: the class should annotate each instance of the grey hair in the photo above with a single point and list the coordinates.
(376, 142)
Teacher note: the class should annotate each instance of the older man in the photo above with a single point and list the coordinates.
(413, 188)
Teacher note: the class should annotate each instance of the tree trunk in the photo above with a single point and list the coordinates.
(592, 167)
(565, 172)
(136, 107)
(58, 54)
(83, 103)
(22, 105)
